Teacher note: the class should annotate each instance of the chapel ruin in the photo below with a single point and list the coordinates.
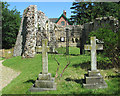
(35, 26)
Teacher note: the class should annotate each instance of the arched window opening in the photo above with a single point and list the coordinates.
(62, 23)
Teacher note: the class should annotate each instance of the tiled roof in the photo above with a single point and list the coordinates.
(65, 18)
(53, 19)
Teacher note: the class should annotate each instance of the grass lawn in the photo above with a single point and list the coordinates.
(1, 58)
(69, 83)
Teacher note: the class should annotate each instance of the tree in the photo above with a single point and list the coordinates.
(10, 25)
(87, 11)
(82, 12)
(110, 39)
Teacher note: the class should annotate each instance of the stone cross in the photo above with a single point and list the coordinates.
(44, 49)
(93, 47)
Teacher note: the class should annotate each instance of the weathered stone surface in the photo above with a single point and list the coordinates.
(94, 73)
(19, 42)
(44, 82)
(93, 79)
(44, 76)
(93, 47)
(30, 42)
(35, 26)
(44, 56)
(95, 86)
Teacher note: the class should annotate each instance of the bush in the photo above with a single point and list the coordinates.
(110, 40)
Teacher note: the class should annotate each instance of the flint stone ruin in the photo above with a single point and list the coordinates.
(94, 80)
(35, 26)
(45, 82)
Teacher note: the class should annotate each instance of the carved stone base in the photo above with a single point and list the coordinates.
(94, 80)
(44, 83)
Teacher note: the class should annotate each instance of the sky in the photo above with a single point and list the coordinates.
(51, 9)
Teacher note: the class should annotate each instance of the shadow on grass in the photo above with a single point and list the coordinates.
(29, 81)
(100, 65)
(114, 76)
(80, 81)
(74, 54)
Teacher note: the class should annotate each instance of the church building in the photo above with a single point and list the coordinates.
(62, 20)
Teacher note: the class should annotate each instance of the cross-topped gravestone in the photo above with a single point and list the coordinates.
(45, 81)
(45, 49)
(93, 47)
(94, 79)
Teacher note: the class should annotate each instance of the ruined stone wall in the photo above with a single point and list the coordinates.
(79, 33)
(99, 23)
(35, 26)
(18, 45)
(31, 29)
(26, 39)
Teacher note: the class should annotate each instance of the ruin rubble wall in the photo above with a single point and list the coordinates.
(35, 26)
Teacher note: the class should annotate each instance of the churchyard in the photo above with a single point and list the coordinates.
(72, 79)
(52, 59)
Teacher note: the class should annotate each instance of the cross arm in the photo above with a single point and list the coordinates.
(99, 47)
(87, 47)
(48, 49)
(39, 49)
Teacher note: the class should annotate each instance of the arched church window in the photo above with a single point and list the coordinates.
(62, 23)
(76, 40)
(72, 40)
(62, 39)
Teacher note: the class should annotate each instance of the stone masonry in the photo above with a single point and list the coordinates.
(35, 26)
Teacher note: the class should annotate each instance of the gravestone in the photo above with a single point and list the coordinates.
(94, 80)
(45, 82)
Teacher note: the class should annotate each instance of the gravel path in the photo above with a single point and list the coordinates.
(6, 75)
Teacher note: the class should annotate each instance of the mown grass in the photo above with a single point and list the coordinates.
(72, 50)
(1, 58)
(69, 83)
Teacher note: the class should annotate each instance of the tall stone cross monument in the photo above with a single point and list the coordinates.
(93, 47)
(45, 49)
(94, 80)
(45, 82)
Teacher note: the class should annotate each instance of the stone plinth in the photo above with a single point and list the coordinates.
(44, 83)
(94, 80)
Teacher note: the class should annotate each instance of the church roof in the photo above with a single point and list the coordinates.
(53, 19)
(64, 18)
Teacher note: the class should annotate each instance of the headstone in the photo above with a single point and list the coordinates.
(93, 79)
(45, 82)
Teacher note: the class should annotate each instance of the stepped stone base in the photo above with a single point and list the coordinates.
(44, 83)
(94, 80)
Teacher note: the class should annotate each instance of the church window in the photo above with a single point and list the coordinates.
(62, 23)
(62, 39)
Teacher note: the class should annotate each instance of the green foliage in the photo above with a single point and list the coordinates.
(110, 39)
(87, 11)
(10, 25)
(82, 12)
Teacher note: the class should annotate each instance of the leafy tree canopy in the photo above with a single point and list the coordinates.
(10, 25)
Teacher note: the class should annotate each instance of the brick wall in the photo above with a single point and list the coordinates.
(62, 19)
